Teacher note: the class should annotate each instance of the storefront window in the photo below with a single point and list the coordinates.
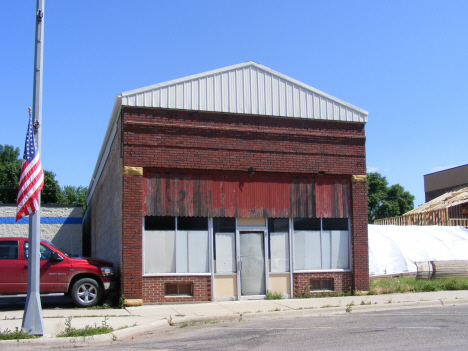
(321, 244)
(278, 229)
(176, 245)
(225, 245)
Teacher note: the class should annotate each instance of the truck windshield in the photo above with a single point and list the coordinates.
(59, 249)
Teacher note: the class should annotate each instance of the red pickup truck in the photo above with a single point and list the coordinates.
(84, 279)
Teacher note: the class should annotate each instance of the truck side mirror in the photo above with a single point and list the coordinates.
(55, 257)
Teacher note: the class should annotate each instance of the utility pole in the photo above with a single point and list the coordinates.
(32, 318)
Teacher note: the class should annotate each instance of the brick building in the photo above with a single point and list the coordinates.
(231, 184)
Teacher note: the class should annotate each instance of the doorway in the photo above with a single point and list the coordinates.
(252, 272)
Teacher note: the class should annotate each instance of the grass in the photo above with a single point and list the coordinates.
(274, 295)
(7, 334)
(411, 284)
(396, 285)
(86, 331)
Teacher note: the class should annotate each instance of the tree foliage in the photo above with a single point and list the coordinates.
(384, 201)
(52, 193)
(10, 168)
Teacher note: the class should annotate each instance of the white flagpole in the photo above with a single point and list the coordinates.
(32, 318)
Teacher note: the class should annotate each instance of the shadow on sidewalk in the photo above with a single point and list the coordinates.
(53, 301)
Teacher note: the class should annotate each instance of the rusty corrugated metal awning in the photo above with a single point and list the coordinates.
(238, 194)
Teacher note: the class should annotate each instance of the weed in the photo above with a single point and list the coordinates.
(365, 302)
(170, 322)
(389, 300)
(86, 331)
(275, 310)
(327, 306)
(183, 325)
(122, 301)
(104, 306)
(7, 334)
(274, 295)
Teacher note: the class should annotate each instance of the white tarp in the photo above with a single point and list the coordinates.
(394, 249)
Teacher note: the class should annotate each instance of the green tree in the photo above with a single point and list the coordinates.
(75, 195)
(52, 193)
(384, 201)
(10, 168)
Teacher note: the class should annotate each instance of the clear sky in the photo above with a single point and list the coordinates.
(405, 62)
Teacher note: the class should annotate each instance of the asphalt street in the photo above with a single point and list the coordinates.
(428, 328)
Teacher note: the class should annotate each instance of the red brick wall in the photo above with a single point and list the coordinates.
(132, 224)
(195, 140)
(359, 236)
(163, 138)
(153, 289)
(342, 281)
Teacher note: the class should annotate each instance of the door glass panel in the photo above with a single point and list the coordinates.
(252, 256)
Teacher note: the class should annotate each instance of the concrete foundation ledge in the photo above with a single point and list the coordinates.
(133, 302)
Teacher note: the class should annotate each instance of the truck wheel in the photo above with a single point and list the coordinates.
(86, 292)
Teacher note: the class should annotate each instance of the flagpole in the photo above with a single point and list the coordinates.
(32, 318)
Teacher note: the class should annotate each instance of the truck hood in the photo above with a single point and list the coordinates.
(93, 261)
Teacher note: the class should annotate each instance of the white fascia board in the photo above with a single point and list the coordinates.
(105, 147)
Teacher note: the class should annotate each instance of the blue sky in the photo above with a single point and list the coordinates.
(405, 62)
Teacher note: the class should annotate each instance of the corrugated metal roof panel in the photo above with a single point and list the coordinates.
(247, 88)
(209, 194)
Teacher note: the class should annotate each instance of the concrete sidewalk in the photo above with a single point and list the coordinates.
(137, 320)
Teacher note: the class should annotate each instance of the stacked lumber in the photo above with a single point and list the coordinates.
(442, 269)
(458, 269)
(425, 270)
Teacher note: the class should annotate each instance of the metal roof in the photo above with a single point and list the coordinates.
(246, 88)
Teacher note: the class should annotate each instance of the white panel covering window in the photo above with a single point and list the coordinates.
(225, 245)
(159, 251)
(279, 244)
(321, 244)
(171, 250)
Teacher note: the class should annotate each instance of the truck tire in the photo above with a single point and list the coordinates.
(86, 292)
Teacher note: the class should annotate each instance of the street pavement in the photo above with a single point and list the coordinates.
(132, 321)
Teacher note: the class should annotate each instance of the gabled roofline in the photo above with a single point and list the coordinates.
(238, 66)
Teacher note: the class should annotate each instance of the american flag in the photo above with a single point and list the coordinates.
(31, 178)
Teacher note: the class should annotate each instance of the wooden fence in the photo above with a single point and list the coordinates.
(438, 217)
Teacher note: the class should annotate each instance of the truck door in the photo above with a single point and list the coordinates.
(11, 268)
(54, 275)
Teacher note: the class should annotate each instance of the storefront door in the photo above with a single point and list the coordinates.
(252, 263)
